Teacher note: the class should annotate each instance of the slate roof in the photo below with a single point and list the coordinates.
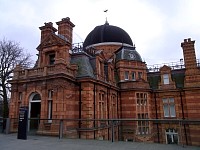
(178, 77)
(84, 66)
(128, 53)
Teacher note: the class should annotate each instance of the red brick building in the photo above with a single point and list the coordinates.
(105, 78)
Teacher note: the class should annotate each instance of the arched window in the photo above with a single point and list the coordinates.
(36, 97)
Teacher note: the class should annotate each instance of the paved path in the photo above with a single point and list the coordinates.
(10, 142)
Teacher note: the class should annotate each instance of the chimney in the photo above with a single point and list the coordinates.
(189, 54)
(65, 28)
(46, 30)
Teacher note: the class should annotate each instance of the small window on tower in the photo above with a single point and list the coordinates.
(51, 59)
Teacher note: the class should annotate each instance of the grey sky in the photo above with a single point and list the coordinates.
(157, 27)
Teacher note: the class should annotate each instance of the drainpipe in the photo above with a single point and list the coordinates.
(108, 92)
(158, 133)
(118, 114)
(94, 117)
(183, 117)
(80, 102)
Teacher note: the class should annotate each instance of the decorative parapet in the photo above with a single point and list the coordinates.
(20, 73)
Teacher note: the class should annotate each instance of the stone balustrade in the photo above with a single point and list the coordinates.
(20, 73)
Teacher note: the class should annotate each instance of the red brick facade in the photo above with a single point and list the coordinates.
(94, 84)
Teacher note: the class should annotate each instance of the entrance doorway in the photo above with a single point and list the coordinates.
(34, 111)
(171, 136)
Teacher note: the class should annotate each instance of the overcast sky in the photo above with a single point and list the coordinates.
(157, 27)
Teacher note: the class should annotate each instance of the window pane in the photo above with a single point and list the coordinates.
(172, 111)
(49, 109)
(166, 110)
(165, 100)
(51, 59)
(36, 97)
(133, 75)
(139, 75)
(171, 100)
(126, 75)
(166, 79)
(138, 102)
(50, 94)
(20, 96)
(139, 130)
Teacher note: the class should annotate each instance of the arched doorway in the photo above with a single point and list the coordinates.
(34, 111)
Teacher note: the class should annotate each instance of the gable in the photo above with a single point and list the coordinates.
(53, 40)
(165, 69)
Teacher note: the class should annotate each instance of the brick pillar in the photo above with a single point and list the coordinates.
(87, 107)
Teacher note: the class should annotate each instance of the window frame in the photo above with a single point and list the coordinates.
(126, 75)
(52, 58)
(142, 126)
(165, 78)
(140, 75)
(50, 105)
(133, 77)
(169, 107)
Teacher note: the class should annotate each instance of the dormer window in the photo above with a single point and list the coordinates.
(51, 59)
(166, 78)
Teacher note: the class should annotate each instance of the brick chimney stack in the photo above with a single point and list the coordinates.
(189, 55)
(65, 28)
(46, 30)
(192, 73)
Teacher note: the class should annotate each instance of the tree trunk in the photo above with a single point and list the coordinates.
(5, 107)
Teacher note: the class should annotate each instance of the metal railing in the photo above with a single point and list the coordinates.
(141, 130)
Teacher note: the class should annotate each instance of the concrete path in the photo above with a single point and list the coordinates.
(10, 142)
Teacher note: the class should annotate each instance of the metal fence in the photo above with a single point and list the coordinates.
(182, 132)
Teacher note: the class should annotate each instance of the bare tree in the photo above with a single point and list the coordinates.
(11, 54)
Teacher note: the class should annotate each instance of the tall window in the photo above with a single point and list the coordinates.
(126, 74)
(101, 106)
(101, 69)
(51, 59)
(166, 78)
(141, 98)
(169, 107)
(139, 75)
(20, 96)
(113, 107)
(143, 126)
(102, 109)
(133, 75)
(50, 104)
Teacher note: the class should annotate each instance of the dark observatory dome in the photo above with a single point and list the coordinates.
(107, 33)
